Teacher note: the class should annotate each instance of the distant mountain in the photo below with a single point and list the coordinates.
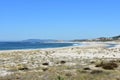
(40, 40)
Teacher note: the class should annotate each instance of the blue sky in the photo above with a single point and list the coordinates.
(58, 19)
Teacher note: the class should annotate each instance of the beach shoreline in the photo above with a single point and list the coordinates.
(75, 44)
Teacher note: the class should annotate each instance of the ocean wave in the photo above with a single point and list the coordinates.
(76, 44)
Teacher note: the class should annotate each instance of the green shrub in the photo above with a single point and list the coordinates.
(59, 78)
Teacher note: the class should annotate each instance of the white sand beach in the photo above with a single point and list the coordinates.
(13, 60)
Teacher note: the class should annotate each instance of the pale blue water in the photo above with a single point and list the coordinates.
(111, 45)
(29, 45)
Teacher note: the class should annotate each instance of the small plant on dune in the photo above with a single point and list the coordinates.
(59, 78)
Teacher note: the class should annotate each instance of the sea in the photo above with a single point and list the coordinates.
(32, 45)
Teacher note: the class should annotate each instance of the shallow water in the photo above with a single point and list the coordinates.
(30, 45)
(111, 45)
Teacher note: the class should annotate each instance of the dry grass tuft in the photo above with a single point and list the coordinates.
(96, 71)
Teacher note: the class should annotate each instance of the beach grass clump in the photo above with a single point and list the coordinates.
(87, 68)
(45, 64)
(107, 65)
(110, 65)
(62, 62)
